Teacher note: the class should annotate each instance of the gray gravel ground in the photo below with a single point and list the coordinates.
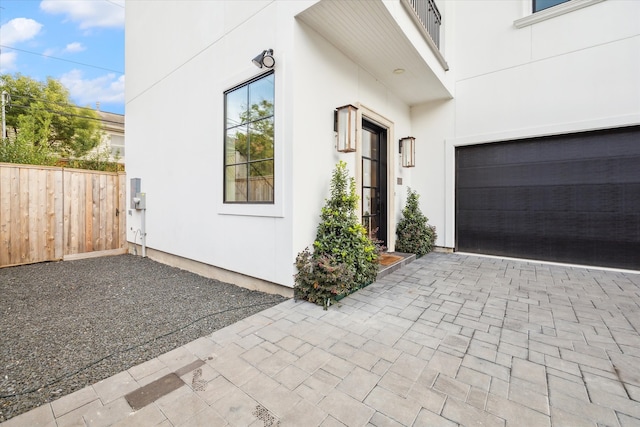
(66, 325)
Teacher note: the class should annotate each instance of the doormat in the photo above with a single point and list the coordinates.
(388, 259)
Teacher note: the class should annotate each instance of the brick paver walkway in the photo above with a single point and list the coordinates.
(447, 340)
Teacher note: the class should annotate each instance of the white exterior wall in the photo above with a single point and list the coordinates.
(175, 130)
(574, 72)
(577, 67)
(324, 80)
(181, 57)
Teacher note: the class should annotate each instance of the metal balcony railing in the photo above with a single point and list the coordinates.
(429, 16)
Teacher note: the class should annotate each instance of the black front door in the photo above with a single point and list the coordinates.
(374, 180)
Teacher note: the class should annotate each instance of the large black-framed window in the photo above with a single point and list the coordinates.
(249, 141)
(539, 5)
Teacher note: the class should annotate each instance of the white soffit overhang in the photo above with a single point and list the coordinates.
(366, 32)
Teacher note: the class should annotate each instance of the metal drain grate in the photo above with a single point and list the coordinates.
(266, 417)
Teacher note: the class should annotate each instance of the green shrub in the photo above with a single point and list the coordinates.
(22, 152)
(344, 258)
(415, 236)
(99, 160)
(321, 278)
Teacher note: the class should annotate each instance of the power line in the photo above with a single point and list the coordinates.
(61, 113)
(61, 59)
(200, 52)
(62, 104)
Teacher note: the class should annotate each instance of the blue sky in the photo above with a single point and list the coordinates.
(79, 42)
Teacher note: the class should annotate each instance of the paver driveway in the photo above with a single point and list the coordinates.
(449, 339)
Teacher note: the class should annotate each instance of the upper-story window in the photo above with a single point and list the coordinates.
(249, 143)
(549, 9)
(539, 5)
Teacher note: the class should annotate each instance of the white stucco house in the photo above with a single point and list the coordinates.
(525, 116)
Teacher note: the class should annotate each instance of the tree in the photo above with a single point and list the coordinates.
(43, 112)
(22, 149)
(344, 257)
(414, 234)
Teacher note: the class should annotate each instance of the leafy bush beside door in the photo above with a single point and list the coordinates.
(415, 236)
(344, 258)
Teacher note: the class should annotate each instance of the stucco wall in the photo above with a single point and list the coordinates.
(577, 67)
(175, 125)
(179, 64)
(573, 72)
(325, 79)
(578, 71)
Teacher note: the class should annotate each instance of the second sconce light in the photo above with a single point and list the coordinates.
(408, 151)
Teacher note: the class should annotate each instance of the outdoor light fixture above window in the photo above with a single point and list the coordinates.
(408, 151)
(345, 127)
(265, 59)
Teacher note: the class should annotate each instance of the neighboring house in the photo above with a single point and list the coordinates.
(525, 115)
(113, 128)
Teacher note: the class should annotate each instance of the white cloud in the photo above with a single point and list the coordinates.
(19, 30)
(88, 13)
(74, 47)
(105, 89)
(50, 52)
(7, 62)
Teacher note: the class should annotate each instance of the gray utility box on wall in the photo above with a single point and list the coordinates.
(137, 199)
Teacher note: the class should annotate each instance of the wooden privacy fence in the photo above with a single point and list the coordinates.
(52, 213)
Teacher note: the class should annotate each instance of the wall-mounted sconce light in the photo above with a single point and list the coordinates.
(265, 59)
(408, 151)
(344, 124)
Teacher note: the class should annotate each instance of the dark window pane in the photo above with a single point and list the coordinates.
(374, 174)
(261, 139)
(235, 183)
(375, 142)
(237, 145)
(366, 202)
(539, 5)
(261, 181)
(371, 225)
(366, 221)
(369, 173)
(366, 143)
(261, 98)
(369, 201)
(237, 107)
(366, 172)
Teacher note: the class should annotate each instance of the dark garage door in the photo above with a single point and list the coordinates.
(571, 198)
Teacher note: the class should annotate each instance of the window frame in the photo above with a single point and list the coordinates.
(248, 202)
(534, 2)
(531, 17)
